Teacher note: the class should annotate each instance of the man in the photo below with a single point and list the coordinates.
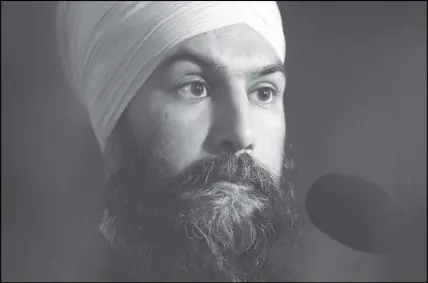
(186, 101)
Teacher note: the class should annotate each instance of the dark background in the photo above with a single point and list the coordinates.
(357, 86)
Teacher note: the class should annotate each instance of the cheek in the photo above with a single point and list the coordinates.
(175, 133)
(270, 138)
(179, 139)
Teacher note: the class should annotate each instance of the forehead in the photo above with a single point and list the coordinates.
(236, 47)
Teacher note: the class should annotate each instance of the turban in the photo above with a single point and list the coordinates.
(109, 49)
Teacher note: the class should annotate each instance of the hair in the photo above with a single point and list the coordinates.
(217, 232)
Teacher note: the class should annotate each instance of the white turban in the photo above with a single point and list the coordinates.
(109, 49)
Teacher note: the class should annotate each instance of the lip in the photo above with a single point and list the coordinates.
(235, 179)
(232, 185)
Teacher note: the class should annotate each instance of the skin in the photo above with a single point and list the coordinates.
(197, 110)
(218, 92)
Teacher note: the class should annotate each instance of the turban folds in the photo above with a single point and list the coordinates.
(109, 49)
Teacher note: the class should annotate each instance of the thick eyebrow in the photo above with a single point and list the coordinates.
(268, 70)
(184, 55)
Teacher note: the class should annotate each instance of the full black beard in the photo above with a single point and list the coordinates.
(197, 227)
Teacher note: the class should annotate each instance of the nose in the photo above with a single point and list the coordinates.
(234, 142)
(233, 130)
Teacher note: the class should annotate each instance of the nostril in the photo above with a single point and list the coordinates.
(250, 147)
(228, 147)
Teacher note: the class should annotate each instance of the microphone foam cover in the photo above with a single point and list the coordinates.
(351, 210)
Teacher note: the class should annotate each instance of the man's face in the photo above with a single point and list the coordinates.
(202, 145)
(210, 97)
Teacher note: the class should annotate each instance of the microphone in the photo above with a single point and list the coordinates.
(351, 210)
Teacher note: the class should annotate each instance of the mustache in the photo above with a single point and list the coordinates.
(240, 169)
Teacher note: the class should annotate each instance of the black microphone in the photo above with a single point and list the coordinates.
(352, 211)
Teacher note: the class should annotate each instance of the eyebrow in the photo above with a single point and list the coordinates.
(203, 61)
(268, 70)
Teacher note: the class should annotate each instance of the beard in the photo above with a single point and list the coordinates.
(222, 219)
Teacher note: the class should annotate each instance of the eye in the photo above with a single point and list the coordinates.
(193, 90)
(264, 95)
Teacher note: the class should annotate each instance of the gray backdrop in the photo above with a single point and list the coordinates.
(356, 104)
